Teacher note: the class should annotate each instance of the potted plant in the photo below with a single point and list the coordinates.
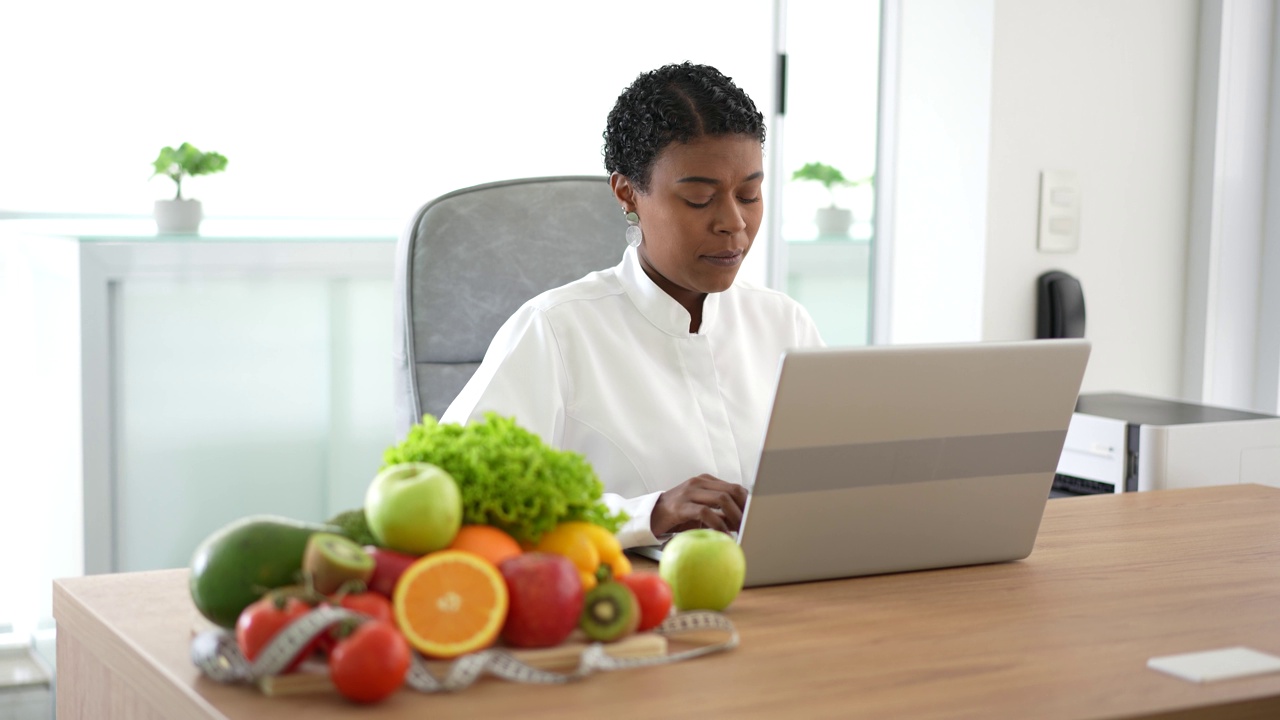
(183, 215)
(832, 221)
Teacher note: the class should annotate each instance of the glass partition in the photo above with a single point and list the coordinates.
(828, 160)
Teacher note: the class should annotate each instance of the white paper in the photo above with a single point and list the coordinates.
(1212, 665)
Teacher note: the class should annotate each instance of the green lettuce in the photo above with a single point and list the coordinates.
(508, 477)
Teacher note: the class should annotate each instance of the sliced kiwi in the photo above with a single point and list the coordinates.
(609, 612)
(332, 560)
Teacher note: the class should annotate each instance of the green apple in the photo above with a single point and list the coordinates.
(415, 508)
(705, 569)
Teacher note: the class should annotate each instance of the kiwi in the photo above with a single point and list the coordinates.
(609, 612)
(332, 560)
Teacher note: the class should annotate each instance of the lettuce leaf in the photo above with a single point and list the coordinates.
(508, 477)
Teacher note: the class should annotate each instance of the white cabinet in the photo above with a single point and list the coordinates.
(158, 387)
(831, 278)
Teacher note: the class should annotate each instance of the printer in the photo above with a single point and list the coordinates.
(1126, 443)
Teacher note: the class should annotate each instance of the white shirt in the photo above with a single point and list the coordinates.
(606, 366)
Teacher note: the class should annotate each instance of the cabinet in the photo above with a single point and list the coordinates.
(831, 278)
(159, 387)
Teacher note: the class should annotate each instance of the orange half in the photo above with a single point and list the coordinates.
(450, 603)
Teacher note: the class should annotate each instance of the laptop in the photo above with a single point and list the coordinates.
(898, 458)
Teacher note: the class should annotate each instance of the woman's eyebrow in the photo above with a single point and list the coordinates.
(698, 179)
(712, 181)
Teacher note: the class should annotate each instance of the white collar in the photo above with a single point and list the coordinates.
(657, 306)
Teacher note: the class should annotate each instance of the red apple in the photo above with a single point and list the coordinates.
(388, 566)
(545, 599)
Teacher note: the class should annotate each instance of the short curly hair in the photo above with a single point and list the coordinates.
(675, 103)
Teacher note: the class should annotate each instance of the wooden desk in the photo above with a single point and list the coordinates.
(1066, 633)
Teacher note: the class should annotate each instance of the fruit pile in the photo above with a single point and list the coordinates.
(422, 579)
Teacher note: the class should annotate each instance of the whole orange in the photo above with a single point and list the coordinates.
(486, 541)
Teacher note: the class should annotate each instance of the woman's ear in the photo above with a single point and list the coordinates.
(624, 191)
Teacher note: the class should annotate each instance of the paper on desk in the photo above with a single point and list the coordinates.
(1211, 665)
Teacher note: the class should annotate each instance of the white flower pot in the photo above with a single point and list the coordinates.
(833, 221)
(178, 216)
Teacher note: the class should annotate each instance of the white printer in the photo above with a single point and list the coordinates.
(1124, 443)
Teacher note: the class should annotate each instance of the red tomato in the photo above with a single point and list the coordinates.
(654, 595)
(370, 604)
(259, 623)
(370, 663)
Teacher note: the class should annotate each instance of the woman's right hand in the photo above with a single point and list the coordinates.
(703, 501)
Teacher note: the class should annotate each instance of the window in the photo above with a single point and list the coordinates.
(333, 109)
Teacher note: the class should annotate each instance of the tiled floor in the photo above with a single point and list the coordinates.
(25, 688)
(24, 704)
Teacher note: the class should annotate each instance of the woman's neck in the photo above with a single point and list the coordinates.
(690, 300)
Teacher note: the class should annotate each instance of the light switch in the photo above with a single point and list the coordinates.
(1062, 226)
(1059, 212)
(1063, 197)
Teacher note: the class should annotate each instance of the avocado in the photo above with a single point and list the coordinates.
(241, 561)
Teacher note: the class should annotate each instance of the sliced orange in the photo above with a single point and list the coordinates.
(450, 603)
(487, 541)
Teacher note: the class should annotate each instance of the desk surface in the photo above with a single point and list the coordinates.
(1066, 633)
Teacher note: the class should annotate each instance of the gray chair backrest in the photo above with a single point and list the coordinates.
(471, 258)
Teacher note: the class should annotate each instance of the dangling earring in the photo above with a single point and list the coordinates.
(634, 234)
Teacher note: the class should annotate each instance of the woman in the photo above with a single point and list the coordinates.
(660, 370)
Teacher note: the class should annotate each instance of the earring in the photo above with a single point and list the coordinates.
(634, 234)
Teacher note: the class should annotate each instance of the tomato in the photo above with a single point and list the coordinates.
(370, 663)
(654, 595)
(259, 623)
(370, 604)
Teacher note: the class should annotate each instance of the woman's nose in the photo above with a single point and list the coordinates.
(730, 218)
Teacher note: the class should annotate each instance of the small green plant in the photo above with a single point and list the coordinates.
(828, 176)
(186, 160)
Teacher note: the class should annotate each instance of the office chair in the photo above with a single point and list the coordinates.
(472, 257)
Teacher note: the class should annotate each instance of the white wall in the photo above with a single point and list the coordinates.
(1106, 89)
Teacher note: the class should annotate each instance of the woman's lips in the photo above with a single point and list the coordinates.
(724, 259)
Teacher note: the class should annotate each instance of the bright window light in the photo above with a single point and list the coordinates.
(333, 109)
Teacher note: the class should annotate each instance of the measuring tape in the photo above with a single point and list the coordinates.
(218, 657)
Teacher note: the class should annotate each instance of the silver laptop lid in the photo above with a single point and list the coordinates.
(892, 458)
